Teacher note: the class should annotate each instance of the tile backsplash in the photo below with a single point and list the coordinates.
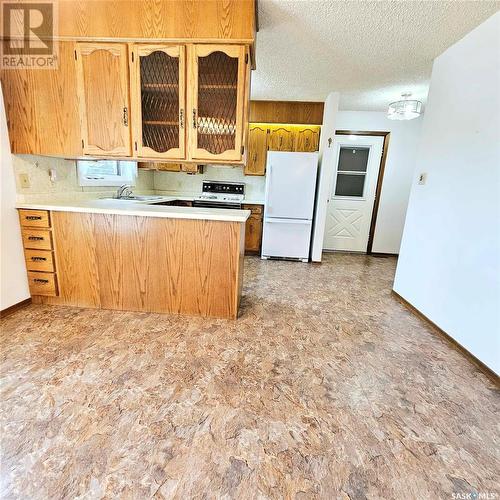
(148, 181)
(179, 182)
(66, 183)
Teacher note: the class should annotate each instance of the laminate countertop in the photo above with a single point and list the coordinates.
(142, 208)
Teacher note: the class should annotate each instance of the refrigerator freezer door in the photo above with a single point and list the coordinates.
(286, 238)
(290, 184)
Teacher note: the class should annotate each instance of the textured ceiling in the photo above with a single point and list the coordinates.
(370, 51)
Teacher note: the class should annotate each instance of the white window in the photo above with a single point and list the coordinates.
(106, 172)
(351, 171)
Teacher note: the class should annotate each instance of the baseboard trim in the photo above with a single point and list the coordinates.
(370, 254)
(12, 309)
(456, 345)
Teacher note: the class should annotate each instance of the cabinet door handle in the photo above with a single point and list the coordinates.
(40, 280)
(33, 217)
(35, 238)
(125, 116)
(37, 259)
(181, 118)
(194, 118)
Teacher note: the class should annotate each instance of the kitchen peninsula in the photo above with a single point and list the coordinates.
(135, 256)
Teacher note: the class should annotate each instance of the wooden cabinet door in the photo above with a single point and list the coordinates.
(103, 93)
(257, 150)
(280, 139)
(253, 228)
(253, 234)
(307, 138)
(217, 75)
(41, 107)
(158, 97)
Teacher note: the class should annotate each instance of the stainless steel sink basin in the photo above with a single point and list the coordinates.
(137, 198)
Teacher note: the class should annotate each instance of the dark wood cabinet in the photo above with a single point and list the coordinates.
(253, 230)
(264, 137)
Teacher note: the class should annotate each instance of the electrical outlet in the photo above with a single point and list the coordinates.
(24, 181)
(422, 178)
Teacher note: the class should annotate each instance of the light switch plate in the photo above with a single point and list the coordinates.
(24, 181)
(422, 178)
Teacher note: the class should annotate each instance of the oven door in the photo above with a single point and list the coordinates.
(216, 204)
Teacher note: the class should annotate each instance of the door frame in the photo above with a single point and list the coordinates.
(380, 178)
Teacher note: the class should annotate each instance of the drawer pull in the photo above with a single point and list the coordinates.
(35, 238)
(37, 259)
(40, 280)
(33, 217)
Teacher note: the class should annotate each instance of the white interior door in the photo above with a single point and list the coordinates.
(353, 192)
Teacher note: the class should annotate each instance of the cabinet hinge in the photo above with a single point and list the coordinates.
(246, 58)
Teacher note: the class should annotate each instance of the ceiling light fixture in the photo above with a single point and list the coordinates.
(406, 109)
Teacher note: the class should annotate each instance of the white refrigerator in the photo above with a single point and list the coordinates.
(288, 212)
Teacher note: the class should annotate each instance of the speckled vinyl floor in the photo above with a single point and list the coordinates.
(326, 387)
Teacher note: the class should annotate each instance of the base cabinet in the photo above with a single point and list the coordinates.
(253, 229)
(150, 264)
(38, 244)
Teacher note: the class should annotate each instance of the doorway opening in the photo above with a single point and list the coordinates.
(356, 189)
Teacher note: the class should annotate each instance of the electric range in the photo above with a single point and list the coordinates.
(217, 194)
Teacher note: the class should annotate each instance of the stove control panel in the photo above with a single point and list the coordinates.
(224, 188)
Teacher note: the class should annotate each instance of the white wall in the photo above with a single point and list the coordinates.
(449, 264)
(399, 169)
(325, 173)
(14, 283)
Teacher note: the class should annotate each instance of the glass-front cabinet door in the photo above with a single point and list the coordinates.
(158, 80)
(217, 84)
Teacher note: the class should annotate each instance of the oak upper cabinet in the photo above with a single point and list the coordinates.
(103, 94)
(257, 150)
(158, 96)
(280, 139)
(307, 138)
(217, 80)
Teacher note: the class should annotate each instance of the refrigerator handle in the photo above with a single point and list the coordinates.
(268, 198)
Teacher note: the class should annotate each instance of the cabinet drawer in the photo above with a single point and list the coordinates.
(37, 239)
(34, 218)
(42, 283)
(255, 209)
(39, 260)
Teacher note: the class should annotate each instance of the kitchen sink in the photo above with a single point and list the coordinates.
(150, 198)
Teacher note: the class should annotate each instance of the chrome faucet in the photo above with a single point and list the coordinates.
(124, 191)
